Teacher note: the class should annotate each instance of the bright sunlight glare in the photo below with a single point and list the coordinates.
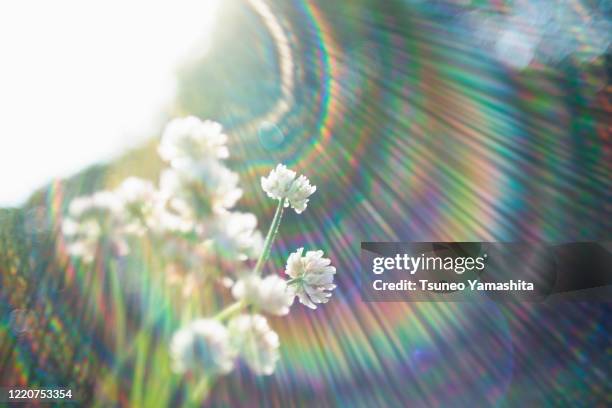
(80, 80)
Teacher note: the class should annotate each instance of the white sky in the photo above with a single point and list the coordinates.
(82, 80)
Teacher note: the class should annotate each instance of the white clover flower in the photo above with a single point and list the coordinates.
(82, 238)
(279, 182)
(190, 139)
(312, 275)
(98, 204)
(270, 294)
(93, 219)
(203, 346)
(195, 190)
(176, 196)
(256, 342)
(138, 198)
(299, 192)
(135, 191)
(236, 236)
(166, 220)
(282, 183)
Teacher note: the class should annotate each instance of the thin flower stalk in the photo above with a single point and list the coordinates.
(272, 232)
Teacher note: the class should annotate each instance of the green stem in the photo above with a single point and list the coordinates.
(118, 305)
(230, 310)
(265, 253)
(201, 390)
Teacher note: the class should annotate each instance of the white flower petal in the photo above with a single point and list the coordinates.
(138, 198)
(190, 139)
(203, 346)
(236, 236)
(299, 193)
(281, 183)
(195, 190)
(270, 294)
(312, 277)
(92, 219)
(256, 342)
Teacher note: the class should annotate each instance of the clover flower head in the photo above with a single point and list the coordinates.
(99, 204)
(203, 346)
(236, 235)
(92, 219)
(198, 189)
(135, 191)
(255, 342)
(82, 238)
(138, 198)
(190, 139)
(270, 294)
(279, 182)
(282, 183)
(299, 192)
(164, 219)
(312, 277)
(175, 194)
